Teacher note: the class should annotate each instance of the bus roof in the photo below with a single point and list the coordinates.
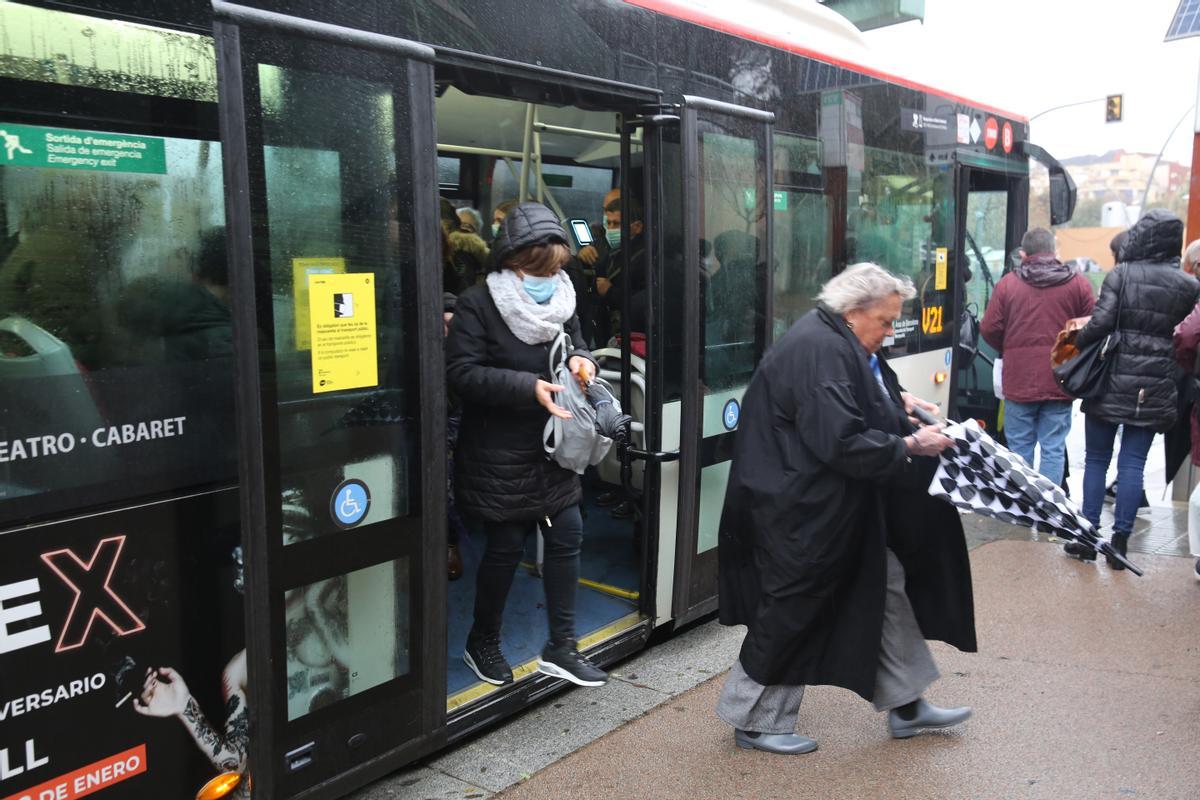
(786, 23)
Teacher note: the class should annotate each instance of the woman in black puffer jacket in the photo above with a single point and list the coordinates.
(1153, 296)
(498, 363)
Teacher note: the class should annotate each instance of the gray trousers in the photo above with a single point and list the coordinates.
(906, 669)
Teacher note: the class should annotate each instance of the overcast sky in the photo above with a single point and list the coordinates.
(1029, 55)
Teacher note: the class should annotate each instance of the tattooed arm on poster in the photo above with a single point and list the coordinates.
(165, 694)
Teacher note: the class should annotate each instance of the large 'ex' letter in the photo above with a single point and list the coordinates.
(93, 595)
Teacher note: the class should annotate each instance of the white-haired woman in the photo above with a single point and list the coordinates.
(831, 551)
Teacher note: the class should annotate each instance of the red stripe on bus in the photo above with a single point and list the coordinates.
(689, 14)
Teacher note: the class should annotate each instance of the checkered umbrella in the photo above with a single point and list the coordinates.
(979, 475)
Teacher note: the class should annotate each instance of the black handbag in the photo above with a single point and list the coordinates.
(1083, 376)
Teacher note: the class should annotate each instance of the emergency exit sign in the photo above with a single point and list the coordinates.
(64, 148)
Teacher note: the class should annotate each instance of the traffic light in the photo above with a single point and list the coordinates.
(1112, 109)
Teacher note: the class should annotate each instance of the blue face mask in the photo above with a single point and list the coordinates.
(540, 289)
(495, 229)
(613, 236)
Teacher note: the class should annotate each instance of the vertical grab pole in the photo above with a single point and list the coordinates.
(537, 158)
(525, 154)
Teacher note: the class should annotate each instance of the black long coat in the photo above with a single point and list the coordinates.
(501, 470)
(820, 486)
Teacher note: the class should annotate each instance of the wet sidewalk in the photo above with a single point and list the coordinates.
(1087, 685)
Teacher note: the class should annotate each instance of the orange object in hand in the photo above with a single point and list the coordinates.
(1064, 348)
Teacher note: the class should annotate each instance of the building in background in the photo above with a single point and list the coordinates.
(1119, 176)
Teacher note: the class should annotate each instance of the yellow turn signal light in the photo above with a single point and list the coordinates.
(221, 786)
(940, 377)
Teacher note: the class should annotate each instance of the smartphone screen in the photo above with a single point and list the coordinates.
(582, 232)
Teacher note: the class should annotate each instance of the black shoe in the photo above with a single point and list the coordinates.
(484, 658)
(1196, 570)
(1120, 541)
(564, 661)
(1079, 550)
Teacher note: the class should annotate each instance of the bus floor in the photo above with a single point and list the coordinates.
(610, 575)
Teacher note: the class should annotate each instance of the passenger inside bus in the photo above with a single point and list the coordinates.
(190, 318)
(467, 252)
(480, 166)
(470, 221)
(610, 274)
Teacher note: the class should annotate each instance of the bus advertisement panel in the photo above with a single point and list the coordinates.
(122, 666)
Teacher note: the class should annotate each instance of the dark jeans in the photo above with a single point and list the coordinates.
(560, 572)
(1131, 464)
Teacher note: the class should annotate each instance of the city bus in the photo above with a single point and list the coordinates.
(223, 408)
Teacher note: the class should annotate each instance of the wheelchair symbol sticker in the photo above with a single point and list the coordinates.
(731, 415)
(350, 502)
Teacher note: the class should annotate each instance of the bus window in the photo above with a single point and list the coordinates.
(802, 246)
(449, 172)
(575, 188)
(987, 215)
(347, 634)
(732, 223)
(91, 52)
(334, 244)
(115, 329)
(891, 222)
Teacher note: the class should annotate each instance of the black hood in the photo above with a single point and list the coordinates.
(526, 225)
(1156, 237)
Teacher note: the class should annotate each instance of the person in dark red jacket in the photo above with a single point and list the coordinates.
(1031, 305)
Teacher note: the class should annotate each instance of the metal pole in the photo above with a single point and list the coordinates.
(1161, 150)
(525, 148)
(478, 151)
(545, 127)
(549, 197)
(537, 159)
(1068, 105)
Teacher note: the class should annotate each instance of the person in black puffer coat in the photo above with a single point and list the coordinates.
(1153, 295)
(498, 363)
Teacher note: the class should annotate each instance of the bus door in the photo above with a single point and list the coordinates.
(991, 220)
(331, 208)
(728, 203)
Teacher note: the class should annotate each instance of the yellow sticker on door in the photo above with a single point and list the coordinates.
(940, 256)
(301, 269)
(341, 311)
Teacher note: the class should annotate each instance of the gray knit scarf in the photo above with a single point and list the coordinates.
(528, 321)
